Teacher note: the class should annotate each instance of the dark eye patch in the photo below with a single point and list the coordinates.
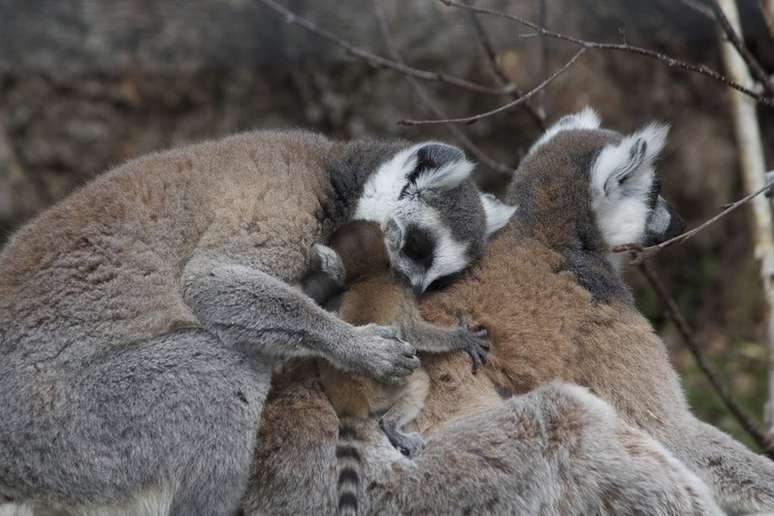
(419, 246)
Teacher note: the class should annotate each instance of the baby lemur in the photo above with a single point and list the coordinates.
(356, 260)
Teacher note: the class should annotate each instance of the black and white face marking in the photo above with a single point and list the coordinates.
(434, 219)
(625, 192)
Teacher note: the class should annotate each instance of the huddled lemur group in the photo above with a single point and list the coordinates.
(143, 318)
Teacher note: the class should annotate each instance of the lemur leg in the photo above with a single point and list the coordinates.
(167, 425)
(256, 313)
(404, 410)
(438, 339)
(743, 480)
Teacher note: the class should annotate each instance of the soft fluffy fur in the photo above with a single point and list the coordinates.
(557, 450)
(570, 317)
(140, 316)
(557, 309)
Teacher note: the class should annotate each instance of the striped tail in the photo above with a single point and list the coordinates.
(348, 468)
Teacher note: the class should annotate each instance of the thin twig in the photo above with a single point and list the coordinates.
(543, 18)
(377, 61)
(752, 63)
(499, 72)
(642, 253)
(689, 337)
(621, 47)
(392, 48)
(505, 107)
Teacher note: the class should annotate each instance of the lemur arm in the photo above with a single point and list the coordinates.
(259, 314)
(438, 339)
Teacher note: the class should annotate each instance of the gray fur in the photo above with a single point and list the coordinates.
(557, 450)
(140, 317)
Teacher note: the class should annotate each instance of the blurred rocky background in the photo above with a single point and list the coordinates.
(88, 84)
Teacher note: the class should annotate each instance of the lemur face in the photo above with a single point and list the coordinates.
(434, 219)
(612, 174)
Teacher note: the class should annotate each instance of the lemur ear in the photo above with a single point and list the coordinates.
(584, 119)
(438, 166)
(626, 168)
(497, 213)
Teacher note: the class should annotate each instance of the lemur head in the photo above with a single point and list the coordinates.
(588, 188)
(435, 220)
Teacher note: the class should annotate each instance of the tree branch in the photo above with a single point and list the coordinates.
(620, 47)
(642, 253)
(524, 98)
(377, 61)
(482, 157)
(752, 63)
(689, 337)
(499, 72)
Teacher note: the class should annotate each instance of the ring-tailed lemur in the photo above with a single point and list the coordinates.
(555, 308)
(356, 260)
(139, 318)
(581, 190)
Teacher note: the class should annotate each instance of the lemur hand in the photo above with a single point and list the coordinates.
(474, 341)
(381, 354)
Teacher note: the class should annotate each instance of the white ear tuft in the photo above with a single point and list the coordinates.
(626, 168)
(584, 119)
(438, 166)
(497, 213)
(445, 177)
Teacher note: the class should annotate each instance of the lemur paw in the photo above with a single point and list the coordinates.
(409, 444)
(381, 354)
(474, 341)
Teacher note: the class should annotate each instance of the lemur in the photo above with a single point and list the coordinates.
(140, 317)
(515, 440)
(356, 260)
(581, 190)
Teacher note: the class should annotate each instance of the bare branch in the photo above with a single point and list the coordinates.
(482, 157)
(689, 337)
(752, 63)
(642, 253)
(377, 61)
(505, 107)
(499, 72)
(543, 19)
(620, 47)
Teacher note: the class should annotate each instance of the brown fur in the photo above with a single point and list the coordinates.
(373, 295)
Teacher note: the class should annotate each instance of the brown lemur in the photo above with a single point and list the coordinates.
(140, 318)
(356, 260)
(354, 273)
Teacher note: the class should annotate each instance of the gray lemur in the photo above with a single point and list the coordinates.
(356, 261)
(139, 318)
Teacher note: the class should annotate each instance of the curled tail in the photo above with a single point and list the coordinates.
(742, 480)
(348, 470)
